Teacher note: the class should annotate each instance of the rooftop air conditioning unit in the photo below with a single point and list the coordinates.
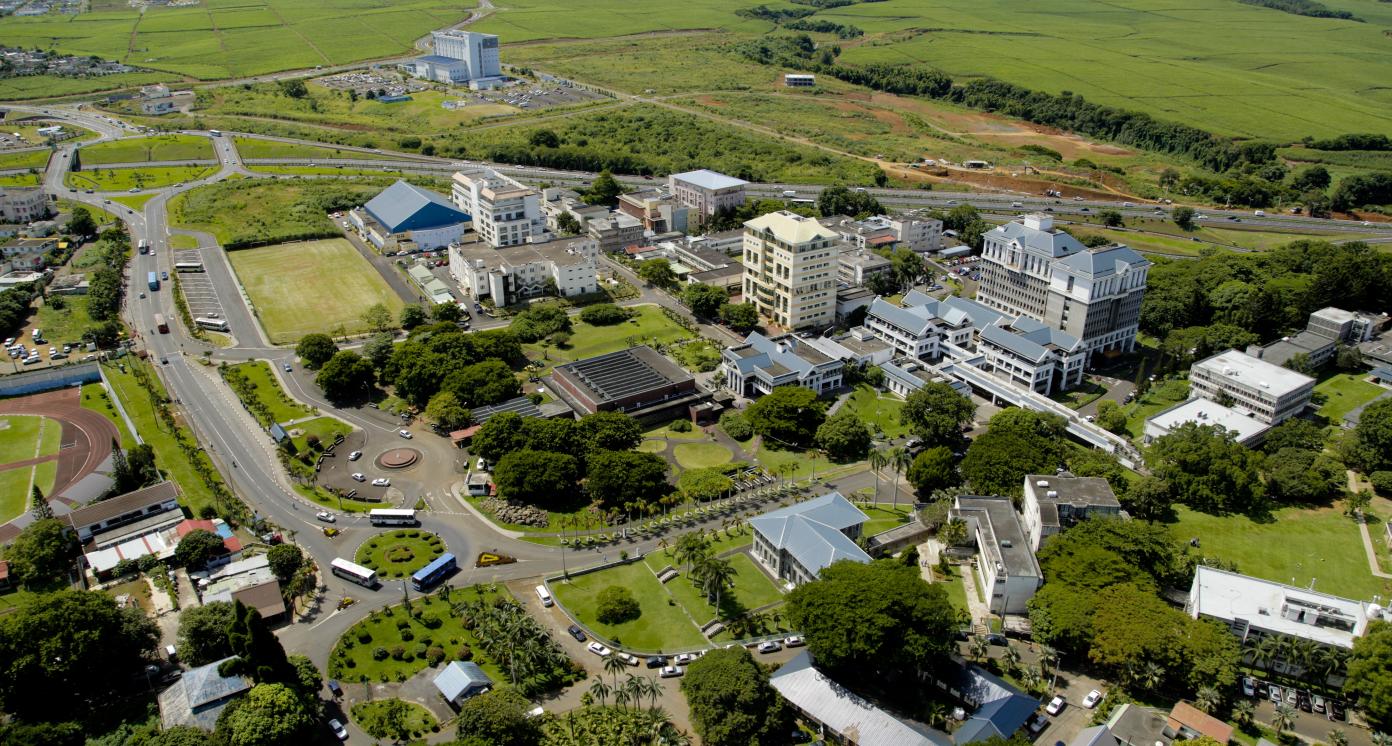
(1051, 493)
(1041, 483)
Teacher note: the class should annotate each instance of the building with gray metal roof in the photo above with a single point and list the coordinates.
(460, 680)
(199, 696)
(1007, 565)
(797, 542)
(847, 715)
(762, 364)
(405, 214)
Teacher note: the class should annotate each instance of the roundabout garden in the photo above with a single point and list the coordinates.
(397, 554)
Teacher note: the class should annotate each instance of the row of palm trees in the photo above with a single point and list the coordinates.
(1295, 657)
(709, 573)
(897, 459)
(522, 648)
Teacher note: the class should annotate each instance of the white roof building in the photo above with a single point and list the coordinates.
(1268, 392)
(844, 712)
(1246, 429)
(1254, 606)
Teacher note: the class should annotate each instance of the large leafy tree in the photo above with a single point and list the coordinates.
(502, 434)
(933, 469)
(657, 272)
(732, 703)
(259, 652)
(268, 715)
(1298, 475)
(704, 300)
(1207, 470)
(315, 350)
(444, 408)
(739, 316)
(203, 633)
(936, 413)
(840, 200)
(42, 554)
(1372, 437)
(610, 431)
(1369, 679)
(789, 415)
(499, 716)
(481, 384)
(75, 647)
(1018, 442)
(196, 548)
(621, 478)
(285, 560)
(536, 477)
(844, 436)
(877, 622)
(346, 377)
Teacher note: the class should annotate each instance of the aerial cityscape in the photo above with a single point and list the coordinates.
(538, 373)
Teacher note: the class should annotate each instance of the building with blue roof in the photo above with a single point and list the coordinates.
(762, 363)
(1000, 709)
(461, 680)
(797, 542)
(200, 696)
(405, 216)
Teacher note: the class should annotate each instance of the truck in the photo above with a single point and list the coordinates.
(144, 246)
(160, 324)
(154, 281)
(789, 193)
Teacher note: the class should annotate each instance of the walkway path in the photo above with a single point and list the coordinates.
(1354, 486)
(980, 612)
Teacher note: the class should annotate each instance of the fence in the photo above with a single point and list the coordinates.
(38, 381)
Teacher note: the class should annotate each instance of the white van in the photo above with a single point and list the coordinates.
(1259, 213)
(545, 596)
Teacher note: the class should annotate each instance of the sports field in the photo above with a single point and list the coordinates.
(24, 437)
(230, 38)
(312, 286)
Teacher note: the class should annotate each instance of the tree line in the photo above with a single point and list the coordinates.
(1309, 8)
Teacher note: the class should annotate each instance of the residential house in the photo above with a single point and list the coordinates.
(27, 254)
(200, 696)
(1054, 502)
(1006, 566)
(797, 542)
(762, 364)
(1189, 722)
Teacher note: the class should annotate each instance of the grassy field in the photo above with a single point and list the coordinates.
(877, 411)
(45, 86)
(369, 716)
(255, 147)
(325, 428)
(66, 324)
(95, 398)
(27, 437)
(331, 108)
(662, 627)
(1342, 393)
(267, 389)
(352, 658)
(698, 455)
(25, 159)
(398, 554)
(290, 305)
(222, 39)
(1161, 396)
(884, 516)
(135, 201)
(20, 180)
(649, 327)
(1299, 546)
(146, 149)
(123, 179)
(266, 211)
(16, 485)
(752, 589)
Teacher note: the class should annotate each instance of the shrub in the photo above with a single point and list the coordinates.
(1382, 482)
(403, 623)
(419, 650)
(431, 621)
(604, 314)
(465, 653)
(399, 652)
(434, 655)
(736, 426)
(379, 653)
(681, 426)
(364, 636)
(407, 635)
(616, 605)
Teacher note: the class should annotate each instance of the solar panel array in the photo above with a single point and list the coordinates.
(617, 375)
(521, 405)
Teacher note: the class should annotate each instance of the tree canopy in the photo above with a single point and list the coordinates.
(42, 554)
(1207, 470)
(267, 715)
(1369, 681)
(346, 377)
(936, 413)
(203, 633)
(732, 703)
(741, 317)
(1017, 442)
(790, 415)
(844, 436)
(498, 716)
(316, 350)
(618, 479)
(934, 469)
(1372, 438)
(704, 300)
(1299, 475)
(196, 548)
(536, 477)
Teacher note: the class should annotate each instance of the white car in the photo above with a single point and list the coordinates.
(685, 658)
(355, 455)
(793, 642)
(599, 650)
(338, 730)
(771, 646)
(1092, 698)
(405, 434)
(671, 672)
(627, 658)
(358, 477)
(326, 516)
(1055, 705)
(381, 482)
(481, 464)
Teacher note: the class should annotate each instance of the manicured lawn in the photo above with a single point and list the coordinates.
(134, 201)
(168, 455)
(698, 455)
(652, 446)
(291, 299)
(957, 591)
(662, 627)
(1343, 393)
(1160, 396)
(877, 411)
(255, 147)
(352, 658)
(368, 715)
(752, 590)
(66, 324)
(666, 431)
(398, 554)
(327, 428)
(24, 437)
(648, 327)
(137, 589)
(268, 391)
(884, 516)
(1300, 545)
(121, 179)
(14, 491)
(94, 397)
(145, 149)
(182, 241)
(322, 497)
(801, 464)
(36, 159)
(20, 180)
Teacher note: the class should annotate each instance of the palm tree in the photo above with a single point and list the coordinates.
(621, 698)
(653, 690)
(1030, 678)
(600, 690)
(1152, 675)
(1208, 699)
(936, 714)
(979, 647)
(1336, 737)
(634, 690)
(878, 460)
(899, 460)
(1011, 658)
(614, 665)
(716, 575)
(1381, 739)
(1283, 718)
(1242, 712)
(689, 547)
(952, 533)
(1265, 652)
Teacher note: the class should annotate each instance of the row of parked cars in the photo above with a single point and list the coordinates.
(1307, 701)
(675, 665)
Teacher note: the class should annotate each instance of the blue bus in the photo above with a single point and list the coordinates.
(154, 280)
(433, 572)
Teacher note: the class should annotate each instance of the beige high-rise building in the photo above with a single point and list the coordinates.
(790, 265)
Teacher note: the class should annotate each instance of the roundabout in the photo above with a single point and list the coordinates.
(397, 554)
(399, 458)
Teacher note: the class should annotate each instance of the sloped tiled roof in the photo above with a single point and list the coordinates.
(1028, 338)
(790, 227)
(811, 531)
(1108, 260)
(1053, 244)
(915, 319)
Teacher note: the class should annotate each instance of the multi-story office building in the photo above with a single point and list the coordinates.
(857, 266)
(1054, 502)
(22, 205)
(1269, 393)
(762, 364)
(1009, 572)
(615, 231)
(790, 265)
(1031, 269)
(478, 51)
(706, 192)
(1032, 355)
(658, 211)
(918, 235)
(512, 274)
(505, 213)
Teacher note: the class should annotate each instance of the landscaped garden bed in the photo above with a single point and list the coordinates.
(397, 554)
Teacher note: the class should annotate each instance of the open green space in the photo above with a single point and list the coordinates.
(398, 554)
(263, 211)
(648, 327)
(145, 149)
(752, 589)
(15, 486)
(790, 464)
(1342, 393)
(182, 241)
(173, 460)
(266, 388)
(956, 588)
(1162, 395)
(879, 411)
(25, 159)
(20, 180)
(256, 147)
(150, 177)
(223, 40)
(884, 516)
(95, 398)
(699, 455)
(353, 657)
(23, 437)
(289, 298)
(369, 715)
(322, 497)
(335, 171)
(662, 626)
(322, 106)
(666, 432)
(66, 324)
(324, 428)
(46, 86)
(1298, 546)
(135, 201)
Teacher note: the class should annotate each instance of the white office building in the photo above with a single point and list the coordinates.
(762, 364)
(504, 212)
(1244, 428)
(790, 266)
(1007, 567)
(1032, 355)
(513, 274)
(1054, 502)
(22, 205)
(461, 57)
(706, 192)
(1267, 392)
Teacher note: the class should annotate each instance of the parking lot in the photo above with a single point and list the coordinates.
(392, 84)
(197, 287)
(539, 96)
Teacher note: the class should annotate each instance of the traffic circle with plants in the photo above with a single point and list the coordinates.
(399, 553)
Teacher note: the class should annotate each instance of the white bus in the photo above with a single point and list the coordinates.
(188, 266)
(545, 596)
(353, 572)
(217, 325)
(382, 517)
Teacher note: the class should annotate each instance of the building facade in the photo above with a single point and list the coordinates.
(513, 274)
(504, 212)
(1269, 393)
(658, 211)
(857, 266)
(1032, 356)
(796, 543)
(1006, 565)
(706, 192)
(790, 266)
(21, 205)
(761, 364)
(1054, 502)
